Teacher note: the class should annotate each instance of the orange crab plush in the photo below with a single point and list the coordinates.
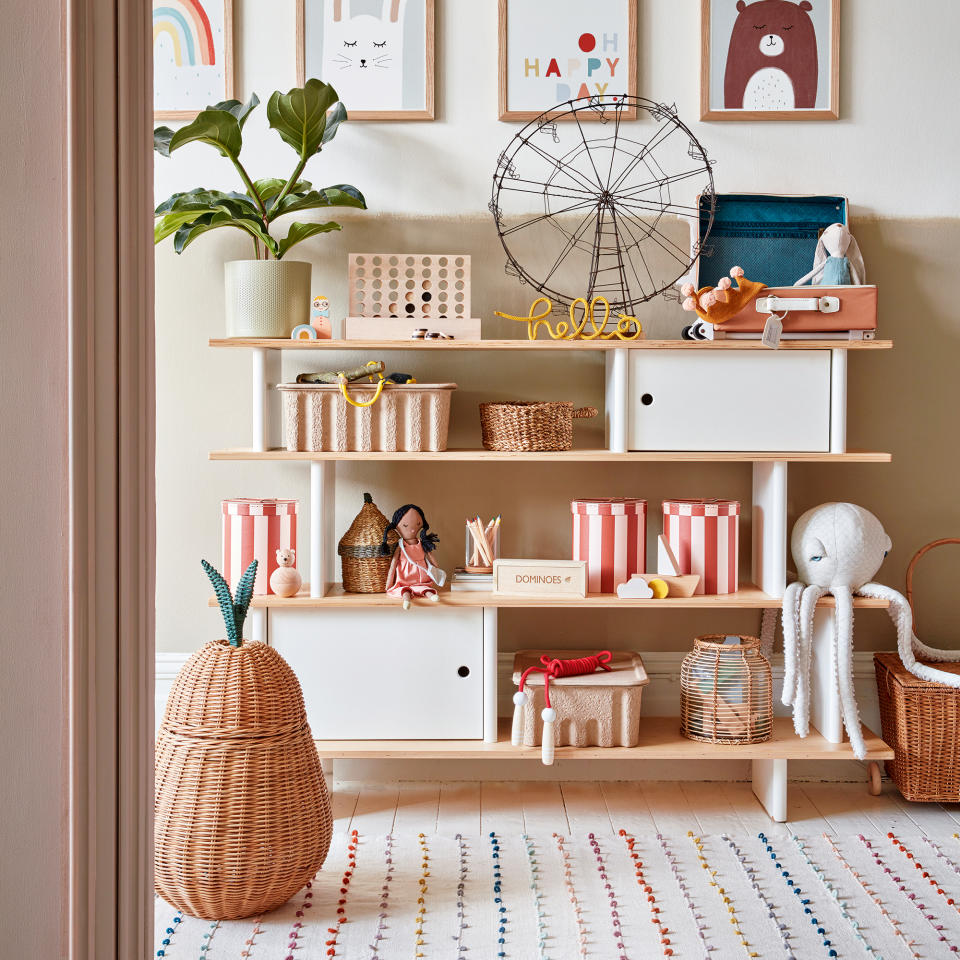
(718, 304)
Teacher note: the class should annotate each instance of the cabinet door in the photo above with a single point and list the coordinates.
(386, 674)
(729, 400)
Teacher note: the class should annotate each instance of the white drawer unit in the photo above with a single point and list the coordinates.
(386, 674)
(735, 400)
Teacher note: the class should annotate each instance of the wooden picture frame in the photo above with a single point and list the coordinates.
(198, 21)
(827, 89)
(427, 111)
(556, 14)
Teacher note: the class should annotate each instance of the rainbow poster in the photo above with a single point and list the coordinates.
(191, 55)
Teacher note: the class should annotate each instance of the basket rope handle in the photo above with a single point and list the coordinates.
(924, 549)
(585, 413)
(360, 403)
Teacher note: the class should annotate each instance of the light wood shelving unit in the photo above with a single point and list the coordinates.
(660, 737)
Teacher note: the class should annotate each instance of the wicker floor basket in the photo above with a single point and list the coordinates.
(921, 722)
(364, 570)
(726, 691)
(530, 426)
(242, 813)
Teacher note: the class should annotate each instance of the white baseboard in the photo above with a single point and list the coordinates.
(660, 699)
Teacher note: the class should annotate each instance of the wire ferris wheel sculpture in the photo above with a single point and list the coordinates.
(591, 205)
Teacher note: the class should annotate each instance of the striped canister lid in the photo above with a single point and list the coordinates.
(701, 508)
(252, 507)
(608, 506)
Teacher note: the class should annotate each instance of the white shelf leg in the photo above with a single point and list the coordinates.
(825, 711)
(616, 399)
(489, 674)
(838, 401)
(258, 624)
(265, 404)
(770, 786)
(326, 767)
(770, 526)
(323, 485)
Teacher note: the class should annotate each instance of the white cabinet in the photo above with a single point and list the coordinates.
(386, 673)
(729, 400)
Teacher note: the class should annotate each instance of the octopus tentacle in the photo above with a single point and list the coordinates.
(843, 660)
(791, 633)
(907, 642)
(801, 699)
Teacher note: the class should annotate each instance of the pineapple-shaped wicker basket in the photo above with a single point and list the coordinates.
(242, 813)
(364, 570)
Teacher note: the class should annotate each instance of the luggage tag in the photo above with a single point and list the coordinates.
(772, 331)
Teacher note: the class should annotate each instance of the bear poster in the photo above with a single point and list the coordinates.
(565, 50)
(769, 59)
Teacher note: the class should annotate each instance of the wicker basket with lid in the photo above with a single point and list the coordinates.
(364, 570)
(242, 813)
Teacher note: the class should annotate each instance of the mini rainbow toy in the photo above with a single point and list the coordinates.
(188, 27)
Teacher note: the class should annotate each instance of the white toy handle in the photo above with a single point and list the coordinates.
(548, 715)
(788, 304)
(519, 700)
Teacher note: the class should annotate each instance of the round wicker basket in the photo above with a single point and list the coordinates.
(726, 691)
(242, 813)
(530, 426)
(364, 570)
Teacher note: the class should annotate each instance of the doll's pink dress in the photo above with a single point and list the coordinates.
(411, 572)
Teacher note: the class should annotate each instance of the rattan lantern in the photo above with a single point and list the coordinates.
(726, 691)
(242, 812)
(364, 569)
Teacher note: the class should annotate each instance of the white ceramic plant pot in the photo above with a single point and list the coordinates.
(266, 298)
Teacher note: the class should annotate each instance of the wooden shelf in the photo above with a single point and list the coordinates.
(660, 739)
(554, 345)
(748, 597)
(565, 456)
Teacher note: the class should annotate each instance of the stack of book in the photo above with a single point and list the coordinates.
(462, 580)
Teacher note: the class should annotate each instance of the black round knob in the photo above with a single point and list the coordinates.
(464, 671)
(647, 399)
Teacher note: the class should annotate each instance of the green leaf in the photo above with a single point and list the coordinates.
(161, 140)
(240, 110)
(222, 590)
(271, 186)
(219, 128)
(300, 231)
(300, 115)
(172, 222)
(204, 199)
(211, 221)
(244, 596)
(335, 117)
(341, 195)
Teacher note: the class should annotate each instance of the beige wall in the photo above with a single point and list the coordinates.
(428, 184)
(33, 478)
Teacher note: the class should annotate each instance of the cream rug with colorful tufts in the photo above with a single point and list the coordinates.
(611, 896)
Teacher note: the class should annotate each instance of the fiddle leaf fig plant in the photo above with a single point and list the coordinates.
(306, 118)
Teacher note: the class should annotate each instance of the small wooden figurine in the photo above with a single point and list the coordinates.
(286, 581)
(320, 318)
(412, 573)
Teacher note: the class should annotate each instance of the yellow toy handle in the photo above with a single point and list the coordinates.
(361, 403)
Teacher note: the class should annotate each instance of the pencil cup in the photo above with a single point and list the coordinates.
(474, 559)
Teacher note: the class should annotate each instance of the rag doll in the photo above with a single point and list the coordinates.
(837, 260)
(838, 548)
(412, 572)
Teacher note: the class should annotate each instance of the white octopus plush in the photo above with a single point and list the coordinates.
(838, 548)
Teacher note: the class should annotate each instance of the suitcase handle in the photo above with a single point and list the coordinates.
(808, 304)
(924, 549)
(361, 403)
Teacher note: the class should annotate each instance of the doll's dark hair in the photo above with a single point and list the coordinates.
(427, 540)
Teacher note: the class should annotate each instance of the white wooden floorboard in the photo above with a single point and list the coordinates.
(501, 806)
(711, 807)
(343, 801)
(848, 808)
(376, 809)
(802, 815)
(953, 811)
(586, 808)
(417, 807)
(930, 818)
(459, 810)
(668, 805)
(543, 809)
(753, 818)
(627, 806)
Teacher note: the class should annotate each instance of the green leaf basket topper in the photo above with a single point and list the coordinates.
(234, 609)
(306, 118)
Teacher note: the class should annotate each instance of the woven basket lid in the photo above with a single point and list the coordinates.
(364, 536)
(894, 665)
(225, 692)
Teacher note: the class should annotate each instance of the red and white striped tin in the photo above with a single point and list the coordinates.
(611, 535)
(705, 538)
(255, 530)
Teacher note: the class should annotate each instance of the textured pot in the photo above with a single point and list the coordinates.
(266, 298)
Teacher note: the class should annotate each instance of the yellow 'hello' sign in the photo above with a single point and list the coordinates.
(627, 328)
